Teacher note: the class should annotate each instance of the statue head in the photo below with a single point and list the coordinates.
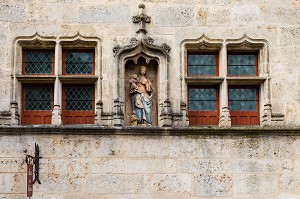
(143, 70)
(134, 76)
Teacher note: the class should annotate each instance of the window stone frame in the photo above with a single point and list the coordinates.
(243, 44)
(36, 41)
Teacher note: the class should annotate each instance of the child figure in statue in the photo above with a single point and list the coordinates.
(134, 83)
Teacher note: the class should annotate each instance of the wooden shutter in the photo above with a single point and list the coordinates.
(203, 105)
(244, 105)
(37, 103)
(78, 104)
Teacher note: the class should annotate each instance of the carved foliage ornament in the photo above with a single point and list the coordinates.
(148, 43)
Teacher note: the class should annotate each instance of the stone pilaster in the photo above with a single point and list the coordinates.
(99, 110)
(15, 116)
(183, 110)
(166, 114)
(118, 116)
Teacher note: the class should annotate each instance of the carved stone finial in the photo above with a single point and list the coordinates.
(142, 6)
(142, 19)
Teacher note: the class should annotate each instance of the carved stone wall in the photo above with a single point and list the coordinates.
(170, 160)
(169, 26)
(131, 163)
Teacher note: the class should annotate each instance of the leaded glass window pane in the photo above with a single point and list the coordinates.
(202, 65)
(79, 98)
(38, 98)
(38, 62)
(79, 62)
(241, 65)
(243, 99)
(202, 99)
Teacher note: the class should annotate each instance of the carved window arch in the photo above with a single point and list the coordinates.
(34, 54)
(248, 80)
(256, 51)
(201, 71)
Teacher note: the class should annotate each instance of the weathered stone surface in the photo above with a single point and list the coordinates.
(205, 166)
(245, 15)
(60, 183)
(138, 196)
(50, 196)
(285, 14)
(274, 148)
(222, 148)
(12, 12)
(289, 196)
(178, 172)
(170, 166)
(9, 148)
(184, 148)
(259, 184)
(290, 182)
(44, 12)
(4, 33)
(257, 166)
(110, 183)
(174, 16)
(208, 185)
(104, 14)
(168, 183)
(12, 183)
(12, 196)
(213, 15)
(10, 165)
(290, 35)
(126, 166)
(145, 148)
(197, 164)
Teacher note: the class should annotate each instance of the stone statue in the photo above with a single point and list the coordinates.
(141, 98)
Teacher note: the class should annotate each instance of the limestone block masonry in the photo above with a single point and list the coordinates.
(109, 160)
(270, 28)
(88, 162)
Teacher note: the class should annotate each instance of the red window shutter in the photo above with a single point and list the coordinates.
(244, 105)
(203, 105)
(78, 104)
(37, 103)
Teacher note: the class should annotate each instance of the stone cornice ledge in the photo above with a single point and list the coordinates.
(149, 131)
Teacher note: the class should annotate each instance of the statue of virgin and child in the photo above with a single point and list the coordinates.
(141, 98)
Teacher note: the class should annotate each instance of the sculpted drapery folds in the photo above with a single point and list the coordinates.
(141, 98)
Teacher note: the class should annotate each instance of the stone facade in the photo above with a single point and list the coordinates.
(176, 24)
(131, 163)
(108, 160)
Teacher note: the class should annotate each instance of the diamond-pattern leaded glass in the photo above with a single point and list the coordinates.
(202, 99)
(243, 99)
(202, 64)
(241, 65)
(79, 62)
(37, 98)
(38, 62)
(79, 98)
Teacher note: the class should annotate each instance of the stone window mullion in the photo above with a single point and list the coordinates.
(56, 116)
(224, 115)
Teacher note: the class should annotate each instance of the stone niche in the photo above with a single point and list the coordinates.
(132, 67)
(130, 58)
